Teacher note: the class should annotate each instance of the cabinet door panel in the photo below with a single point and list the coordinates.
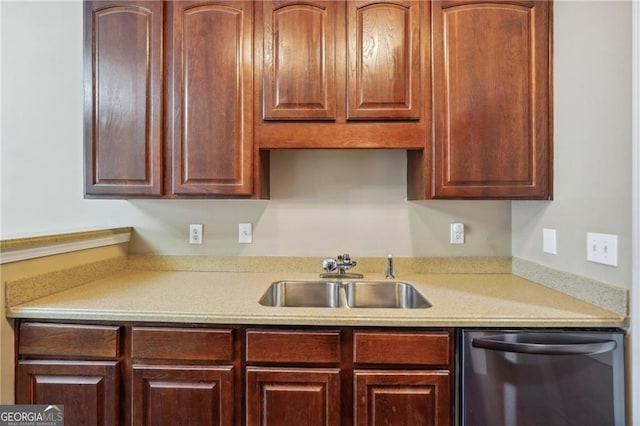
(123, 95)
(211, 50)
(293, 396)
(189, 395)
(384, 59)
(89, 390)
(402, 398)
(299, 78)
(492, 99)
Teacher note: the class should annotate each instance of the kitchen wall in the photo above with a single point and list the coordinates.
(592, 135)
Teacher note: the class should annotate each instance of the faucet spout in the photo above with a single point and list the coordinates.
(390, 267)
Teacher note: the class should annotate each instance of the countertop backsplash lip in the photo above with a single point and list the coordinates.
(311, 264)
(40, 240)
(27, 289)
(603, 295)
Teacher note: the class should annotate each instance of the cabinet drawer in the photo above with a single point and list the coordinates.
(189, 344)
(68, 340)
(293, 346)
(402, 348)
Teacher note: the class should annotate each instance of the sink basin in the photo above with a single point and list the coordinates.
(311, 294)
(384, 294)
(351, 294)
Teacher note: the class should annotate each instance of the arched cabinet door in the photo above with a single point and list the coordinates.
(123, 98)
(299, 63)
(210, 49)
(384, 60)
(492, 99)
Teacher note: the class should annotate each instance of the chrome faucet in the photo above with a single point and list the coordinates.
(342, 264)
(390, 267)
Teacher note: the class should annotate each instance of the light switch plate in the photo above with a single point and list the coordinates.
(602, 248)
(245, 233)
(549, 241)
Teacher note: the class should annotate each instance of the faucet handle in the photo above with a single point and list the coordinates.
(329, 264)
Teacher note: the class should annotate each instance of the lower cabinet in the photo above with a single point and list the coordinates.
(188, 395)
(401, 397)
(87, 389)
(293, 396)
(124, 374)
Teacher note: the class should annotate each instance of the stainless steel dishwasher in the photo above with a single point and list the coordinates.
(542, 378)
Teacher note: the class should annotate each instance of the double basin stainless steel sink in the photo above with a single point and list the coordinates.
(339, 293)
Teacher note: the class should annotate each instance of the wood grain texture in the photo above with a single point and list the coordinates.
(385, 49)
(87, 389)
(293, 396)
(492, 99)
(413, 397)
(299, 74)
(192, 344)
(185, 395)
(429, 348)
(69, 340)
(210, 59)
(123, 98)
(292, 346)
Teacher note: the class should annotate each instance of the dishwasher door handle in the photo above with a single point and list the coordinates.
(560, 348)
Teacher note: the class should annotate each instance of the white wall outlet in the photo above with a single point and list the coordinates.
(457, 233)
(245, 233)
(195, 233)
(602, 248)
(549, 241)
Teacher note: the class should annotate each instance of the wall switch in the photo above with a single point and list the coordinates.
(602, 248)
(457, 233)
(549, 241)
(245, 233)
(195, 233)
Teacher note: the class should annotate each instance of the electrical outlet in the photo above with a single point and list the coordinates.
(457, 233)
(602, 248)
(245, 233)
(195, 233)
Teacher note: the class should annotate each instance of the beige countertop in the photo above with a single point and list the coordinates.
(459, 300)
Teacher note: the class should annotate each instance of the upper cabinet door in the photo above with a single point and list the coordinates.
(299, 76)
(123, 102)
(210, 63)
(492, 99)
(384, 59)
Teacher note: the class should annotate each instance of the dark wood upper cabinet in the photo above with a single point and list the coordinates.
(186, 98)
(342, 74)
(299, 60)
(210, 108)
(123, 98)
(169, 99)
(492, 99)
(384, 60)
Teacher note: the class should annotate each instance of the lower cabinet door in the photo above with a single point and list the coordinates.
(409, 398)
(293, 396)
(89, 390)
(186, 395)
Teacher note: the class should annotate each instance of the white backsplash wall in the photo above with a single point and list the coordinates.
(324, 203)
